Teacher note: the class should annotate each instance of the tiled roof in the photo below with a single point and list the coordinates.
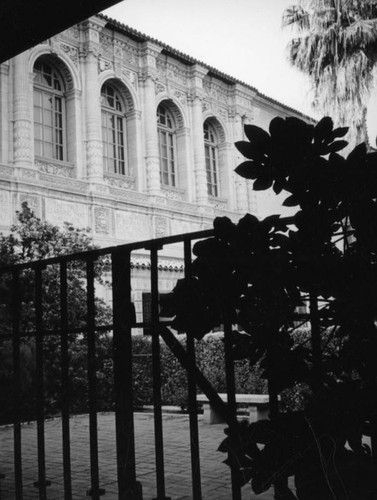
(189, 60)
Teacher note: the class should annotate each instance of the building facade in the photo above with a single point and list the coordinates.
(104, 127)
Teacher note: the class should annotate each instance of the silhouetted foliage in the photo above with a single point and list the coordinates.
(257, 273)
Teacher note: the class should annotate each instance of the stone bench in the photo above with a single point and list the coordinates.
(257, 405)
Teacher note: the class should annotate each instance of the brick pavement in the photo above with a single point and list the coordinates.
(215, 475)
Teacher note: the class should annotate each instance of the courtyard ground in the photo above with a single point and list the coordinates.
(215, 475)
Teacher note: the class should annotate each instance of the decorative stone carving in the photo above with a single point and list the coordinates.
(106, 46)
(72, 52)
(130, 55)
(90, 48)
(223, 113)
(148, 73)
(131, 76)
(101, 220)
(181, 96)
(120, 182)
(160, 88)
(207, 86)
(161, 227)
(32, 201)
(22, 140)
(217, 203)
(195, 93)
(63, 183)
(6, 171)
(205, 106)
(177, 74)
(104, 65)
(72, 32)
(54, 168)
(118, 49)
(28, 173)
(173, 194)
(94, 155)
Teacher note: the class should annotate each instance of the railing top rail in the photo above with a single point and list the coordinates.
(98, 252)
(127, 247)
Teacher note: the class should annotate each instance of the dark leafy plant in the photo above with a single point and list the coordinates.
(32, 239)
(256, 274)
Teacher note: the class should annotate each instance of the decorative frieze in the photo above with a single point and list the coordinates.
(59, 169)
(30, 174)
(215, 90)
(176, 73)
(173, 193)
(120, 182)
(63, 183)
(6, 171)
(218, 203)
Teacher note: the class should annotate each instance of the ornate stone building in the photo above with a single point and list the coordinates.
(105, 127)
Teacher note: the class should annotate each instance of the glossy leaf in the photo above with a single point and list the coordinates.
(259, 137)
(248, 169)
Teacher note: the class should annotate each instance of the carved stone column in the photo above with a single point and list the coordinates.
(4, 112)
(198, 143)
(90, 55)
(196, 96)
(149, 76)
(240, 182)
(22, 131)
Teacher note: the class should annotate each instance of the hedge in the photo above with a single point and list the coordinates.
(210, 359)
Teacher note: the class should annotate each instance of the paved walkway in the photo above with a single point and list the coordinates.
(215, 475)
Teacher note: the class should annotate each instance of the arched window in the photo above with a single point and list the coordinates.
(113, 131)
(167, 147)
(49, 112)
(211, 158)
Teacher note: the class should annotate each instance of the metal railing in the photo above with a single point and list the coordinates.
(123, 321)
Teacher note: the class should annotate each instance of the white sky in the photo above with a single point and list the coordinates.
(242, 38)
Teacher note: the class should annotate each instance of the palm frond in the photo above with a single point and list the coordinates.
(336, 47)
(296, 17)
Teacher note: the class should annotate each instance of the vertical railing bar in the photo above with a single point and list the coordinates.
(17, 443)
(123, 317)
(231, 394)
(41, 483)
(94, 491)
(192, 404)
(65, 381)
(156, 367)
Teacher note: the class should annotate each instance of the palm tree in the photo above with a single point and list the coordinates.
(336, 45)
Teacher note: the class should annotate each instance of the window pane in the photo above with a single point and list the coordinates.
(48, 150)
(38, 147)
